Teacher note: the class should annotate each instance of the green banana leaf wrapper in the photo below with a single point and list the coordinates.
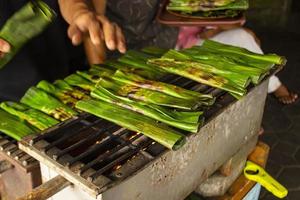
(127, 68)
(253, 69)
(134, 121)
(188, 121)
(211, 66)
(154, 51)
(13, 126)
(243, 53)
(95, 73)
(34, 117)
(25, 24)
(148, 96)
(204, 3)
(74, 92)
(201, 7)
(172, 90)
(136, 59)
(63, 95)
(41, 100)
(189, 70)
(78, 81)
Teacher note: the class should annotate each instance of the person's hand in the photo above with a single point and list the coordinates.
(99, 28)
(4, 47)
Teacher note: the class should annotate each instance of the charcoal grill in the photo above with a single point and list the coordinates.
(109, 162)
(17, 169)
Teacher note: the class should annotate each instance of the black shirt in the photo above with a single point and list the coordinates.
(49, 56)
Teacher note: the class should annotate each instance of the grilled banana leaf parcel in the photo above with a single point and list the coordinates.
(205, 6)
(189, 121)
(244, 53)
(192, 71)
(13, 126)
(148, 96)
(138, 60)
(134, 121)
(256, 71)
(63, 95)
(25, 24)
(169, 89)
(48, 104)
(80, 82)
(74, 92)
(95, 73)
(34, 117)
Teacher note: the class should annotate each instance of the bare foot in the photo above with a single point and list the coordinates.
(284, 96)
(261, 131)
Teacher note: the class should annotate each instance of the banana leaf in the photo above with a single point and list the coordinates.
(244, 53)
(124, 67)
(212, 66)
(196, 6)
(172, 118)
(134, 121)
(136, 59)
(189, 70)
(172, 90)
(95, 73)
(25, 24)
(63, 95)
(40, 100)
(80, 82)
(148, 96)
(74, 92)
(34, 117)
(13, 126)
(154, 51)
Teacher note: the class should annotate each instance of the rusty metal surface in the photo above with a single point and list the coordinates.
(174, 175)
(24, 173)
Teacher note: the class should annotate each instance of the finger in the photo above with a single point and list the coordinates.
(4, 46)
(95, 32)
(108, 32)
(120, 40)
(74, 34)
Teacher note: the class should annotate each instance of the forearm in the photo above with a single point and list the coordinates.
(70, 9)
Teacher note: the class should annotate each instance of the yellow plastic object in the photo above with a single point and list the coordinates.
(256, 173)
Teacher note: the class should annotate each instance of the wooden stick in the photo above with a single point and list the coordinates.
(47, 189)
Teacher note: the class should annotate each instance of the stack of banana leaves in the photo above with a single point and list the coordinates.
(218, 65)
(208, 8)
(14, 126)
(147, 106)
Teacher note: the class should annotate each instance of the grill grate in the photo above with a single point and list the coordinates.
(9, 147)
(100, 153)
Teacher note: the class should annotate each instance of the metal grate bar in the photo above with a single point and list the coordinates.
(107, 154)
(67, 137)
(118, 160)
(94, 148)
(76, 145)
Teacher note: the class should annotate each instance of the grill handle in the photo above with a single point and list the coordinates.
(47, 189)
